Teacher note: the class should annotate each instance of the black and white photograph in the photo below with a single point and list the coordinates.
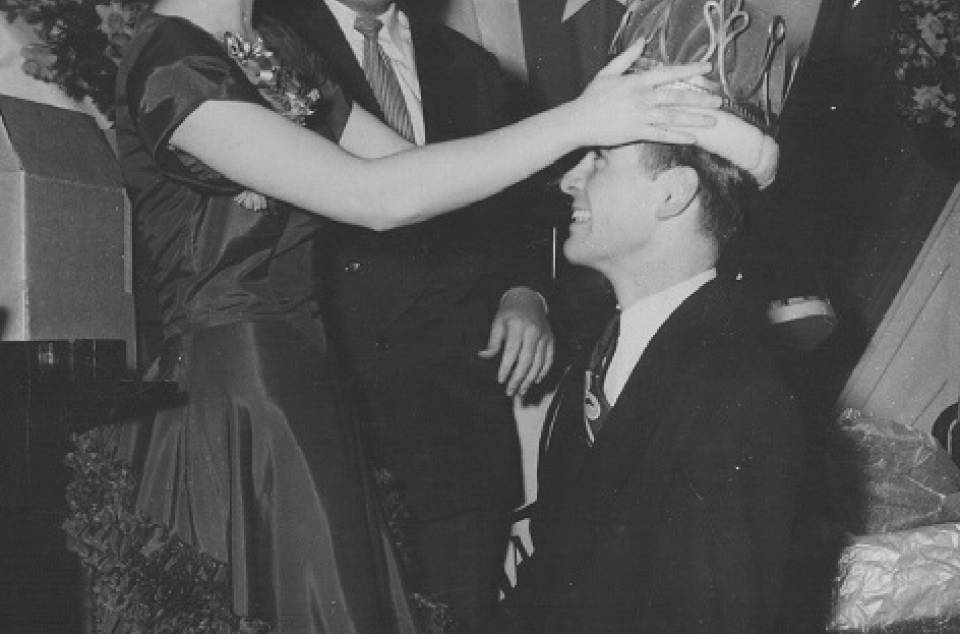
(480, 316)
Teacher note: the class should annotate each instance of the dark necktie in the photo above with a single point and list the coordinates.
(595, 405)
(382, 79)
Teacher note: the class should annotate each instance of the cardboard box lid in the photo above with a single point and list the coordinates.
(52, 142)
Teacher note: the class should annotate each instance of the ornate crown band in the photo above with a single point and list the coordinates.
(756, 50)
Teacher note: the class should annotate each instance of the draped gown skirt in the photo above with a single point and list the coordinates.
(261, 468)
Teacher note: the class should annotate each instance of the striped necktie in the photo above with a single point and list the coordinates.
(595, 405)
(382, 79)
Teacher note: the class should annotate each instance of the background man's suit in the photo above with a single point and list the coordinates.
(680, 517)
(412, 308)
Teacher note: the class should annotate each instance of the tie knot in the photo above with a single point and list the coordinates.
(368, 25)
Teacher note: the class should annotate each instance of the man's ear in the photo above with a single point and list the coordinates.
(680, 186)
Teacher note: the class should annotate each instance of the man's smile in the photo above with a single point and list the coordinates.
(580, 215)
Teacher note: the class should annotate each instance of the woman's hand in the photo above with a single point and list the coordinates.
(619, 108)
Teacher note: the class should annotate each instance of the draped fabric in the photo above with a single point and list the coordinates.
(262, 470)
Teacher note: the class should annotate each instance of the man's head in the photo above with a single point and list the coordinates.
(647, 214)
(646, 205)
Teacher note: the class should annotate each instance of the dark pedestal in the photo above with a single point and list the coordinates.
(50, 390)
(41, 587)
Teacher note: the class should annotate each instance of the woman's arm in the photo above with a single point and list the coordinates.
(366, 136)
(285, 161)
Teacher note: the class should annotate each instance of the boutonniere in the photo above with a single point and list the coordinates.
(281, 87)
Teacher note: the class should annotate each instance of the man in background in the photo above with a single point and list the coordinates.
(440, 323)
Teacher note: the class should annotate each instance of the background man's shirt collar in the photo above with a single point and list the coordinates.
(397, 43)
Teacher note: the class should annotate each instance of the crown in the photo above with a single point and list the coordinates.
(756, 48)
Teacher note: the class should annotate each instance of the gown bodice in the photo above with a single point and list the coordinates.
(211, 259)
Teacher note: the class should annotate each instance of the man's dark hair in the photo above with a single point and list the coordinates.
(725, 189)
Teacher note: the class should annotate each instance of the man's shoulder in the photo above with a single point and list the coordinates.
(439, 30)
(436, 34)
(731, 352)
(722, 351)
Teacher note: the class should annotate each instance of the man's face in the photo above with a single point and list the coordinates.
(613, 205)
(367, 7)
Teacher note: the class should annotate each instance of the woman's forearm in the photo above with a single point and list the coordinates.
(266, 153)
(290, 163)
(417, 185)
(366, 136)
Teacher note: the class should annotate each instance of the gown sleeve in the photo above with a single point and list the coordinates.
(182, 67)
(177, 70)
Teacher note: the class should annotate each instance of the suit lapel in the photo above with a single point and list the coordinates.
(630, 433)
(314, 22)
(438, 90)
(563, 440)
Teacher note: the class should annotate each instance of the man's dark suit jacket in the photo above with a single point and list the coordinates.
(412, 307)
(680, 517)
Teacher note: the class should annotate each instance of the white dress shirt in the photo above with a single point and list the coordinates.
(397, 43)
(639, 322)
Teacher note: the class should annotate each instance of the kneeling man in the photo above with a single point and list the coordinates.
(670, 460)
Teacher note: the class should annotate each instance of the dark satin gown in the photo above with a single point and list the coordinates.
(261, 468)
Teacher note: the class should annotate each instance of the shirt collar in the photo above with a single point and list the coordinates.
(658, 307)
(394, 21)
(639, 322)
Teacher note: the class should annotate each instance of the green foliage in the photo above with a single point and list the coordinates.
(144, 577)
(80, 43)
(927, 40)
